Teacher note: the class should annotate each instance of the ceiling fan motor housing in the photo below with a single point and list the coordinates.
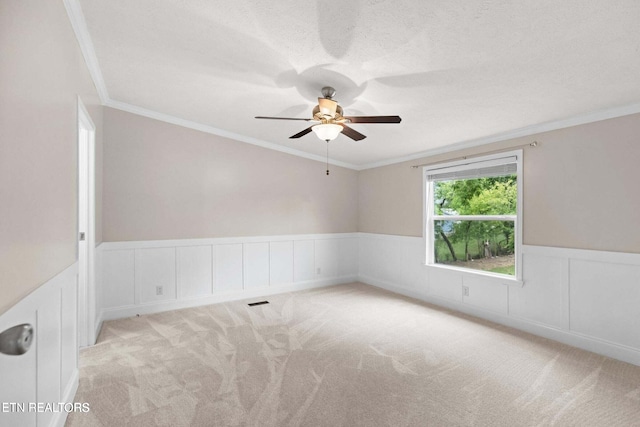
(328, 92)
(320, 116)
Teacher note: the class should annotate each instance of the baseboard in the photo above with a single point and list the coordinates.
(391, 287)
(595, 345)
(98, 325)
(60, 418)
(157, 307)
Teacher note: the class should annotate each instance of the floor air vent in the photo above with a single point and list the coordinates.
(251, 304)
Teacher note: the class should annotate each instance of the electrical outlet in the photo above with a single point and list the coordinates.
(465, 291)
(159, 290)
(319, 271)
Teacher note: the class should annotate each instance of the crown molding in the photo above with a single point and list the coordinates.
(79, 26)
(221, 132)
(581, 119)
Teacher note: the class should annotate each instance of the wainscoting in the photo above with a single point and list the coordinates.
(48, 372)
(152, 276)
(588, 299)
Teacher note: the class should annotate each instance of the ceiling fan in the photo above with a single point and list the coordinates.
(330, 121)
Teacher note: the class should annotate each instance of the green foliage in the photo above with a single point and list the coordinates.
(499, 199)
(510, 270)
(482, 196)
(443, 254)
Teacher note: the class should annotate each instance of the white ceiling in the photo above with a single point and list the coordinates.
(455, 70)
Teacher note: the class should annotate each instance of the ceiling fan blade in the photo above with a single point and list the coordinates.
(373, 119)
(283, 118)
(352, 133)
(327, 106)
(302, 133)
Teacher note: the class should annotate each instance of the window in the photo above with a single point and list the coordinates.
(472, 214)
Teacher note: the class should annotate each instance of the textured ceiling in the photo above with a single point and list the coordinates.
(454, 70)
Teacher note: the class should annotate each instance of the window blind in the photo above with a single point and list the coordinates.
(471, 170)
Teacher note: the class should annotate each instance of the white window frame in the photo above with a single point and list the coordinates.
(430, 217)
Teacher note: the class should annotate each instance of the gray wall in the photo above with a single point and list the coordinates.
(163, 181)
(580, 188)
(42, 72)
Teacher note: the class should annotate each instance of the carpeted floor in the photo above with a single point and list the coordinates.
(349, 355)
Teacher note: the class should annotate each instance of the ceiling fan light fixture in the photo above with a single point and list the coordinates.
(327, 131)
(331, 119)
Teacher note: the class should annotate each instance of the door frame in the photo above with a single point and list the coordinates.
(87, 287)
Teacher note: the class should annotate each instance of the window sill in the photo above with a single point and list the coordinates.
(503, 278)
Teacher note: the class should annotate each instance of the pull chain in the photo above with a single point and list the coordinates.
(327, 157)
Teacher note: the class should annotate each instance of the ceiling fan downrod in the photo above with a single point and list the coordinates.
(327, 157)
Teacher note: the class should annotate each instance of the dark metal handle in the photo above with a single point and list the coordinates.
(17, 340)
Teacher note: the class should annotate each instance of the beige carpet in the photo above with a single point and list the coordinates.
(349, 355)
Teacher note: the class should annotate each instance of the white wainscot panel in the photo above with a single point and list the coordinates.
(195, 271)
(411, 271)
(369, 262)
(118, 278)
(99, 286)
(380, 259)
(605, 301)
(303, 260)
(347, 257)
(256, 265)
(486, 292)
(281, 262)
(156, 274)
(391, 261)
(48, 330)
(48, 372)
(397, 261)
(326, 258)
(445, 283)
(544, 296)
(69, 334)
(19, 373)
(228, 267)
